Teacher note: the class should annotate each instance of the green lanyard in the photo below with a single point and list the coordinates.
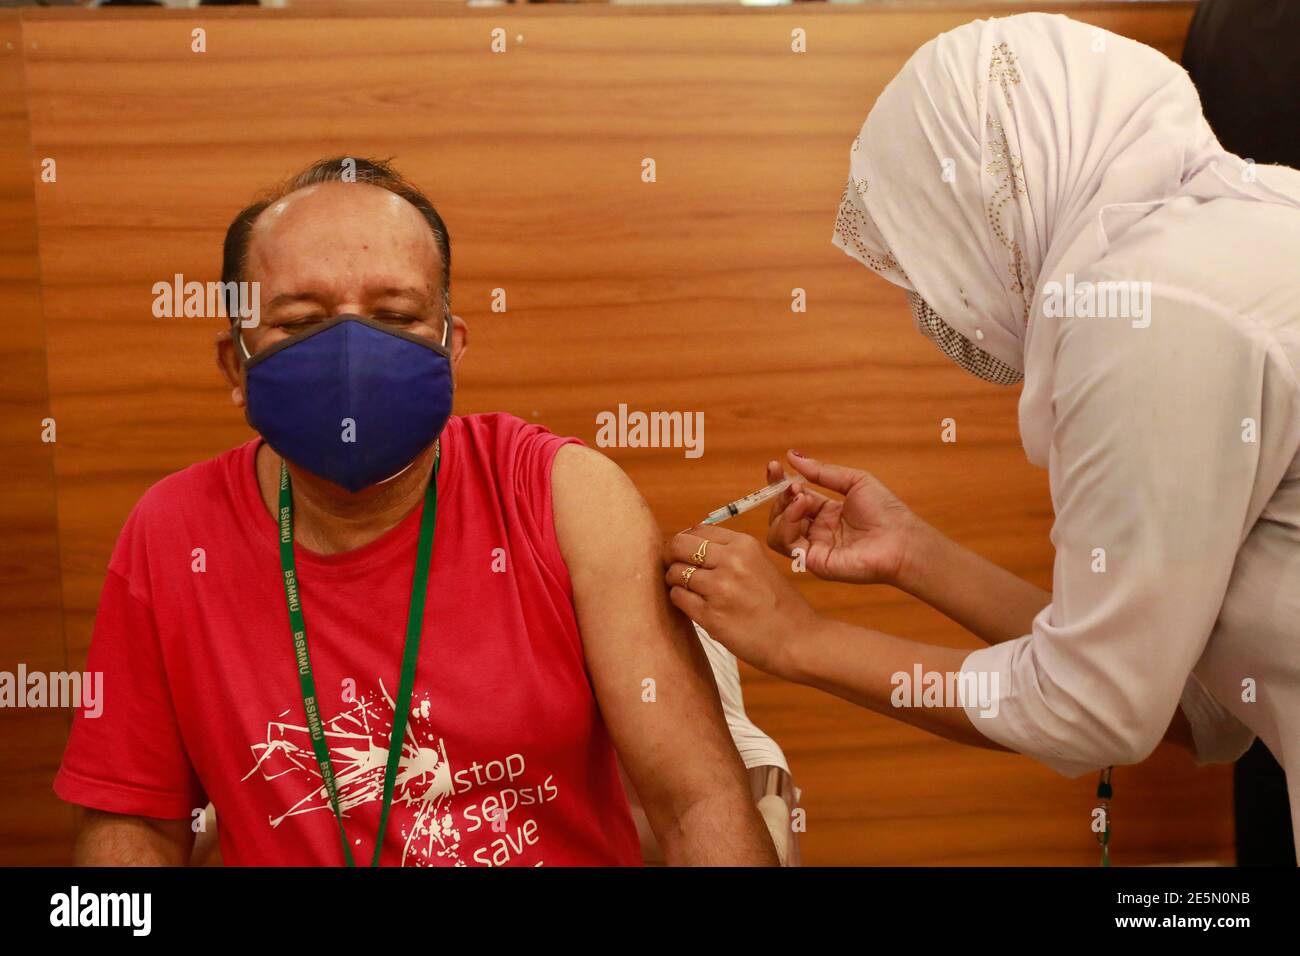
(1104, 794)
(414, 624)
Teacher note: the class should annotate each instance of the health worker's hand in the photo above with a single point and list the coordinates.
(726, 583)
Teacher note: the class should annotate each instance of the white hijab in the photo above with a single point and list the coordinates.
(1010, 151)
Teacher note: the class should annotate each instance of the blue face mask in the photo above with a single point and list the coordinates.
(352, 399)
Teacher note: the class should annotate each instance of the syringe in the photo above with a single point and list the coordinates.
(747, 503)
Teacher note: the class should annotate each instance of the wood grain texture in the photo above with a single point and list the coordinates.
(35, 827)
(666, 296)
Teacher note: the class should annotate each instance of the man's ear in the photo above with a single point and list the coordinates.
(232, 369)
(459, 340)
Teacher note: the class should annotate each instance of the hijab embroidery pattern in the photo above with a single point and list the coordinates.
(1002, 69)
(852, 226)
(1013, 184)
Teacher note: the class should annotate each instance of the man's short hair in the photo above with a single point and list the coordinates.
(376, 172)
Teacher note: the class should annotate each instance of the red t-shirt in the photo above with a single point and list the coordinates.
(201, 693)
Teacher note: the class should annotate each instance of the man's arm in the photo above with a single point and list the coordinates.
(111, 839)
(676, 748)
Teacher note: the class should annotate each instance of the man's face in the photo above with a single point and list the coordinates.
(338, 249)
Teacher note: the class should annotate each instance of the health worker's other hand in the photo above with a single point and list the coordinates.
(864, 539)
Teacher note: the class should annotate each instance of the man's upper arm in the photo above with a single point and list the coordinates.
(129, 758)
(111, 839)
(651, 677)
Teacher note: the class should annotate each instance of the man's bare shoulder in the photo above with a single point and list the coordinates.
(601, 520)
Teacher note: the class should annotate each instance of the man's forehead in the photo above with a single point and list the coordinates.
(336, 223)
(338, 200)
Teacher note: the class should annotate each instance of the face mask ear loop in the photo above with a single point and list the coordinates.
(239, 340)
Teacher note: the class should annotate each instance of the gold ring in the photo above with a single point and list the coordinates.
(697, 558)
(686, 576)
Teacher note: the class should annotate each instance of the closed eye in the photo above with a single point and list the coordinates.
(298, 325)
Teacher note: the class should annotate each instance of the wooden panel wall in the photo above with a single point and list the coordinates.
(666, 296)
(34, 826)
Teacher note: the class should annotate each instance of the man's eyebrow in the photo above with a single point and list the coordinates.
(413, 292)
(289, 298)
(410, 291)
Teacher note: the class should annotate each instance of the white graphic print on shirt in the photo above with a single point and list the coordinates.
(424, 811)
